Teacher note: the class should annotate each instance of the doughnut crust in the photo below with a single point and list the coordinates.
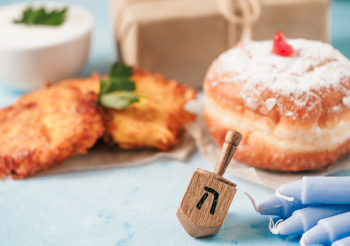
(293, 112)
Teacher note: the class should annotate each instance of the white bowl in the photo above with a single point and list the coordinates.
(30, 56)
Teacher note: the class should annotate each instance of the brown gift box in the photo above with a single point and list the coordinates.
(180, 38)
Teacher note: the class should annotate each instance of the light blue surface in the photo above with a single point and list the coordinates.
(129, 206)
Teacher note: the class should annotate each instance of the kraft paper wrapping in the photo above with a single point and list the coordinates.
(180, 38)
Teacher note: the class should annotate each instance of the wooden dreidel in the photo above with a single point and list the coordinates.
(208, 196)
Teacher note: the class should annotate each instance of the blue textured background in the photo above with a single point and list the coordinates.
(129, 206)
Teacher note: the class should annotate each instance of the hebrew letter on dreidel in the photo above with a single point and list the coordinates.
(198, 215)
(215, 201)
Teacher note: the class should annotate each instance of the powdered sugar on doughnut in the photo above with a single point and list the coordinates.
(314, 66)
(346, 101)
(270, 103)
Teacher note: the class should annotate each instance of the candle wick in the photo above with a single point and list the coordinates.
(302, 243)
(278, 194)
(252, 200)
(273, 226)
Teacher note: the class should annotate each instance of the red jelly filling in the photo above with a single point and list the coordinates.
(280, 46)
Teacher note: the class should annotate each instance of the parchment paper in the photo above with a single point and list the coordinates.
(102, 156)
(206, 145)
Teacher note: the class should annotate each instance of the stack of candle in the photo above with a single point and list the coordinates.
(318, 208)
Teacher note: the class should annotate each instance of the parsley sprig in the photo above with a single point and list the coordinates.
(40, 16)
(117, 91)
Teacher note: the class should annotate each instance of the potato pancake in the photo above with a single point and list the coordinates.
(49, 125)
(157, 120)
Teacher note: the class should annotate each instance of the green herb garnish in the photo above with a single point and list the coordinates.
(116, 91)
(41, 17)
(119, 99)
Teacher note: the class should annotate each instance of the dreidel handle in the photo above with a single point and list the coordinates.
(229, 147)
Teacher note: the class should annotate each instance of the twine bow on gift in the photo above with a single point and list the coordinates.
(250, 13)
(236, 12)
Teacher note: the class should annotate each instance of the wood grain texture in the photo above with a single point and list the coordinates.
(218, 177)
(233, 137)
(201, 222)
(209, 195)
(225, 157)
(229, 147)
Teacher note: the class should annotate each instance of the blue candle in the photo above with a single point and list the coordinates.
(318, 190)
(342, 242)
(304, 219)
(280, 207)
(328, 230)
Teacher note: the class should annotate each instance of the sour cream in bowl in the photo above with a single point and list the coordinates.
(31, 55)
